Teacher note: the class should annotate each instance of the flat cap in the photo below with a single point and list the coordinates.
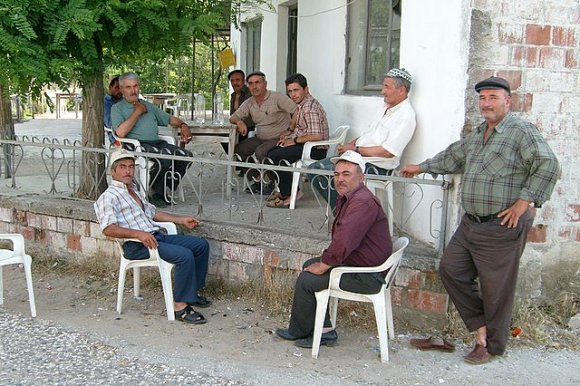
(493, 82)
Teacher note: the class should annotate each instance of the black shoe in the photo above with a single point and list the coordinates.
(257, 188)
(202, 302)
(328, 339)
(284, 334)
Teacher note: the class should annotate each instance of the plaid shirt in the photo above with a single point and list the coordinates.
(516, 162)
(311, 118)
(116, 206)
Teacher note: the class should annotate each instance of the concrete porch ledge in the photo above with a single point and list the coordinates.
(67, 227)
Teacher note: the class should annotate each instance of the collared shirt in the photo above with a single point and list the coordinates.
(360, 232)
(245, 94)
(109, 102)
(311, 119)
(146, 128)
(116, 206)
(272, 117)
(516, 162)
(392, 128)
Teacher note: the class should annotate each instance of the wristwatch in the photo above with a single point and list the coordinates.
(357, 149)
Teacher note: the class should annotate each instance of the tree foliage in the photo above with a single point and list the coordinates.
(60, 41)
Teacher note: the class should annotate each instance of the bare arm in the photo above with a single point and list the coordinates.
(118, 232)
(185, 131)
(187, 221)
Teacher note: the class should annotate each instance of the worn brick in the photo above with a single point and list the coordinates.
(238, 271)
(6, 214)
(538, 35)
(243, 253)
(513, 77)
(56, 239)
(537, 233)
(64, 225)
(408, 278)
(570, 105)
(28, 233)
(563, 36)
(511, 33)
(573, 213)
(82, 228)
(522, 102)
(74, 242)
(34, 220)
(396, 296)
(427, 301)
(107, 247)
(21, 217)
(219, 268)
(524, 56)
(271, 258)
(95, 231)
(49, 223)
(88, 245)
(552, 58)
(570, 60)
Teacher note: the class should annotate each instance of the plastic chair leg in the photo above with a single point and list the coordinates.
(381, 318)
(389, 310)
(294, 192)
(165, 273)
(321, 304)
(1, 287)
(121, 286)
(136, 282)
(28, 274)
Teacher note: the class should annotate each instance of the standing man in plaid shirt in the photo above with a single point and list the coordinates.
(309, 123)
(507, 166)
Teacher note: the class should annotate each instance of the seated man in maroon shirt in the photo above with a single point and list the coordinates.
(360, 237)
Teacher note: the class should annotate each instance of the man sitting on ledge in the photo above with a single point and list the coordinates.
(360, 238)
(123, 213)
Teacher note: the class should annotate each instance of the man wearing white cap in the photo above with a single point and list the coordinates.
(360, 238)
(390, 131)
(124, 213)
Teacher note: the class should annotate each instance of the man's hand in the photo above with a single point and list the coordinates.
(511, 215)
(348, 146)
(147, 239)
(317, 268)
(286, 142)
(241, 127)
(188, 222)
(185, 132)
(410, 171)
(140, 108)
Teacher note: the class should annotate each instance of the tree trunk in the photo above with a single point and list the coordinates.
(93, 178)
(6, 130)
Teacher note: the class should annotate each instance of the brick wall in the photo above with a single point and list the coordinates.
(236, 254)
(534, 45)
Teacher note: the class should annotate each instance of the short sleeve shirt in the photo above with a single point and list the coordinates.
(146, 127)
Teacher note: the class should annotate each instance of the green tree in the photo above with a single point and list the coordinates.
(50, 41)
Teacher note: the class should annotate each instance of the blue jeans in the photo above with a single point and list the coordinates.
(190, 255)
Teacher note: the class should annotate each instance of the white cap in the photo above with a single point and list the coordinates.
(352, 157)
(120, 154)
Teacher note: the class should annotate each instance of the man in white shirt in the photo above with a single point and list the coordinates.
(389, 133)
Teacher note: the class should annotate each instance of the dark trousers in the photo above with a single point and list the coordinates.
(166, 172)
(307, 284)
(190, 255)
(290, 154)
(490, 252)
(325, 184)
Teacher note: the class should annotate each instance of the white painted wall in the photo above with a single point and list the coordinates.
(434, 49)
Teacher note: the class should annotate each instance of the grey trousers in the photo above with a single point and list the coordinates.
(304, 304)
(490, 253)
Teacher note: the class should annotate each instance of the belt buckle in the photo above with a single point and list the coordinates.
(474, 218)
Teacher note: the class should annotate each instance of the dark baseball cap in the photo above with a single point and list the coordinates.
(493, 82)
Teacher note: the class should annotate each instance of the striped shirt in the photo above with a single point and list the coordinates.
(515, 163)
(116, 206)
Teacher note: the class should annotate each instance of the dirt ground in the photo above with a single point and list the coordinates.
(238, 341)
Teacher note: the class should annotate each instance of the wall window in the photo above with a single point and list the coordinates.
(373, 38)
(251, 37)
(292, 41)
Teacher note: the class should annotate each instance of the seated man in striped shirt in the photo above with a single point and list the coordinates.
(124, 213)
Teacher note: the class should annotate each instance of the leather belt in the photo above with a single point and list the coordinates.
(480, 219)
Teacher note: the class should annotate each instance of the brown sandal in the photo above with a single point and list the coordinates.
(278, 203)
(433, 343)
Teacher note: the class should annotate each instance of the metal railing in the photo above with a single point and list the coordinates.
(52, 167)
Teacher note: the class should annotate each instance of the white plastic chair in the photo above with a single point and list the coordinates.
(338, 139)
(17, 255)
(142, 166)
(381, 300)
(154, 260)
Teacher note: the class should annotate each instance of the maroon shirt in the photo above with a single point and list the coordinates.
(360, 232)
